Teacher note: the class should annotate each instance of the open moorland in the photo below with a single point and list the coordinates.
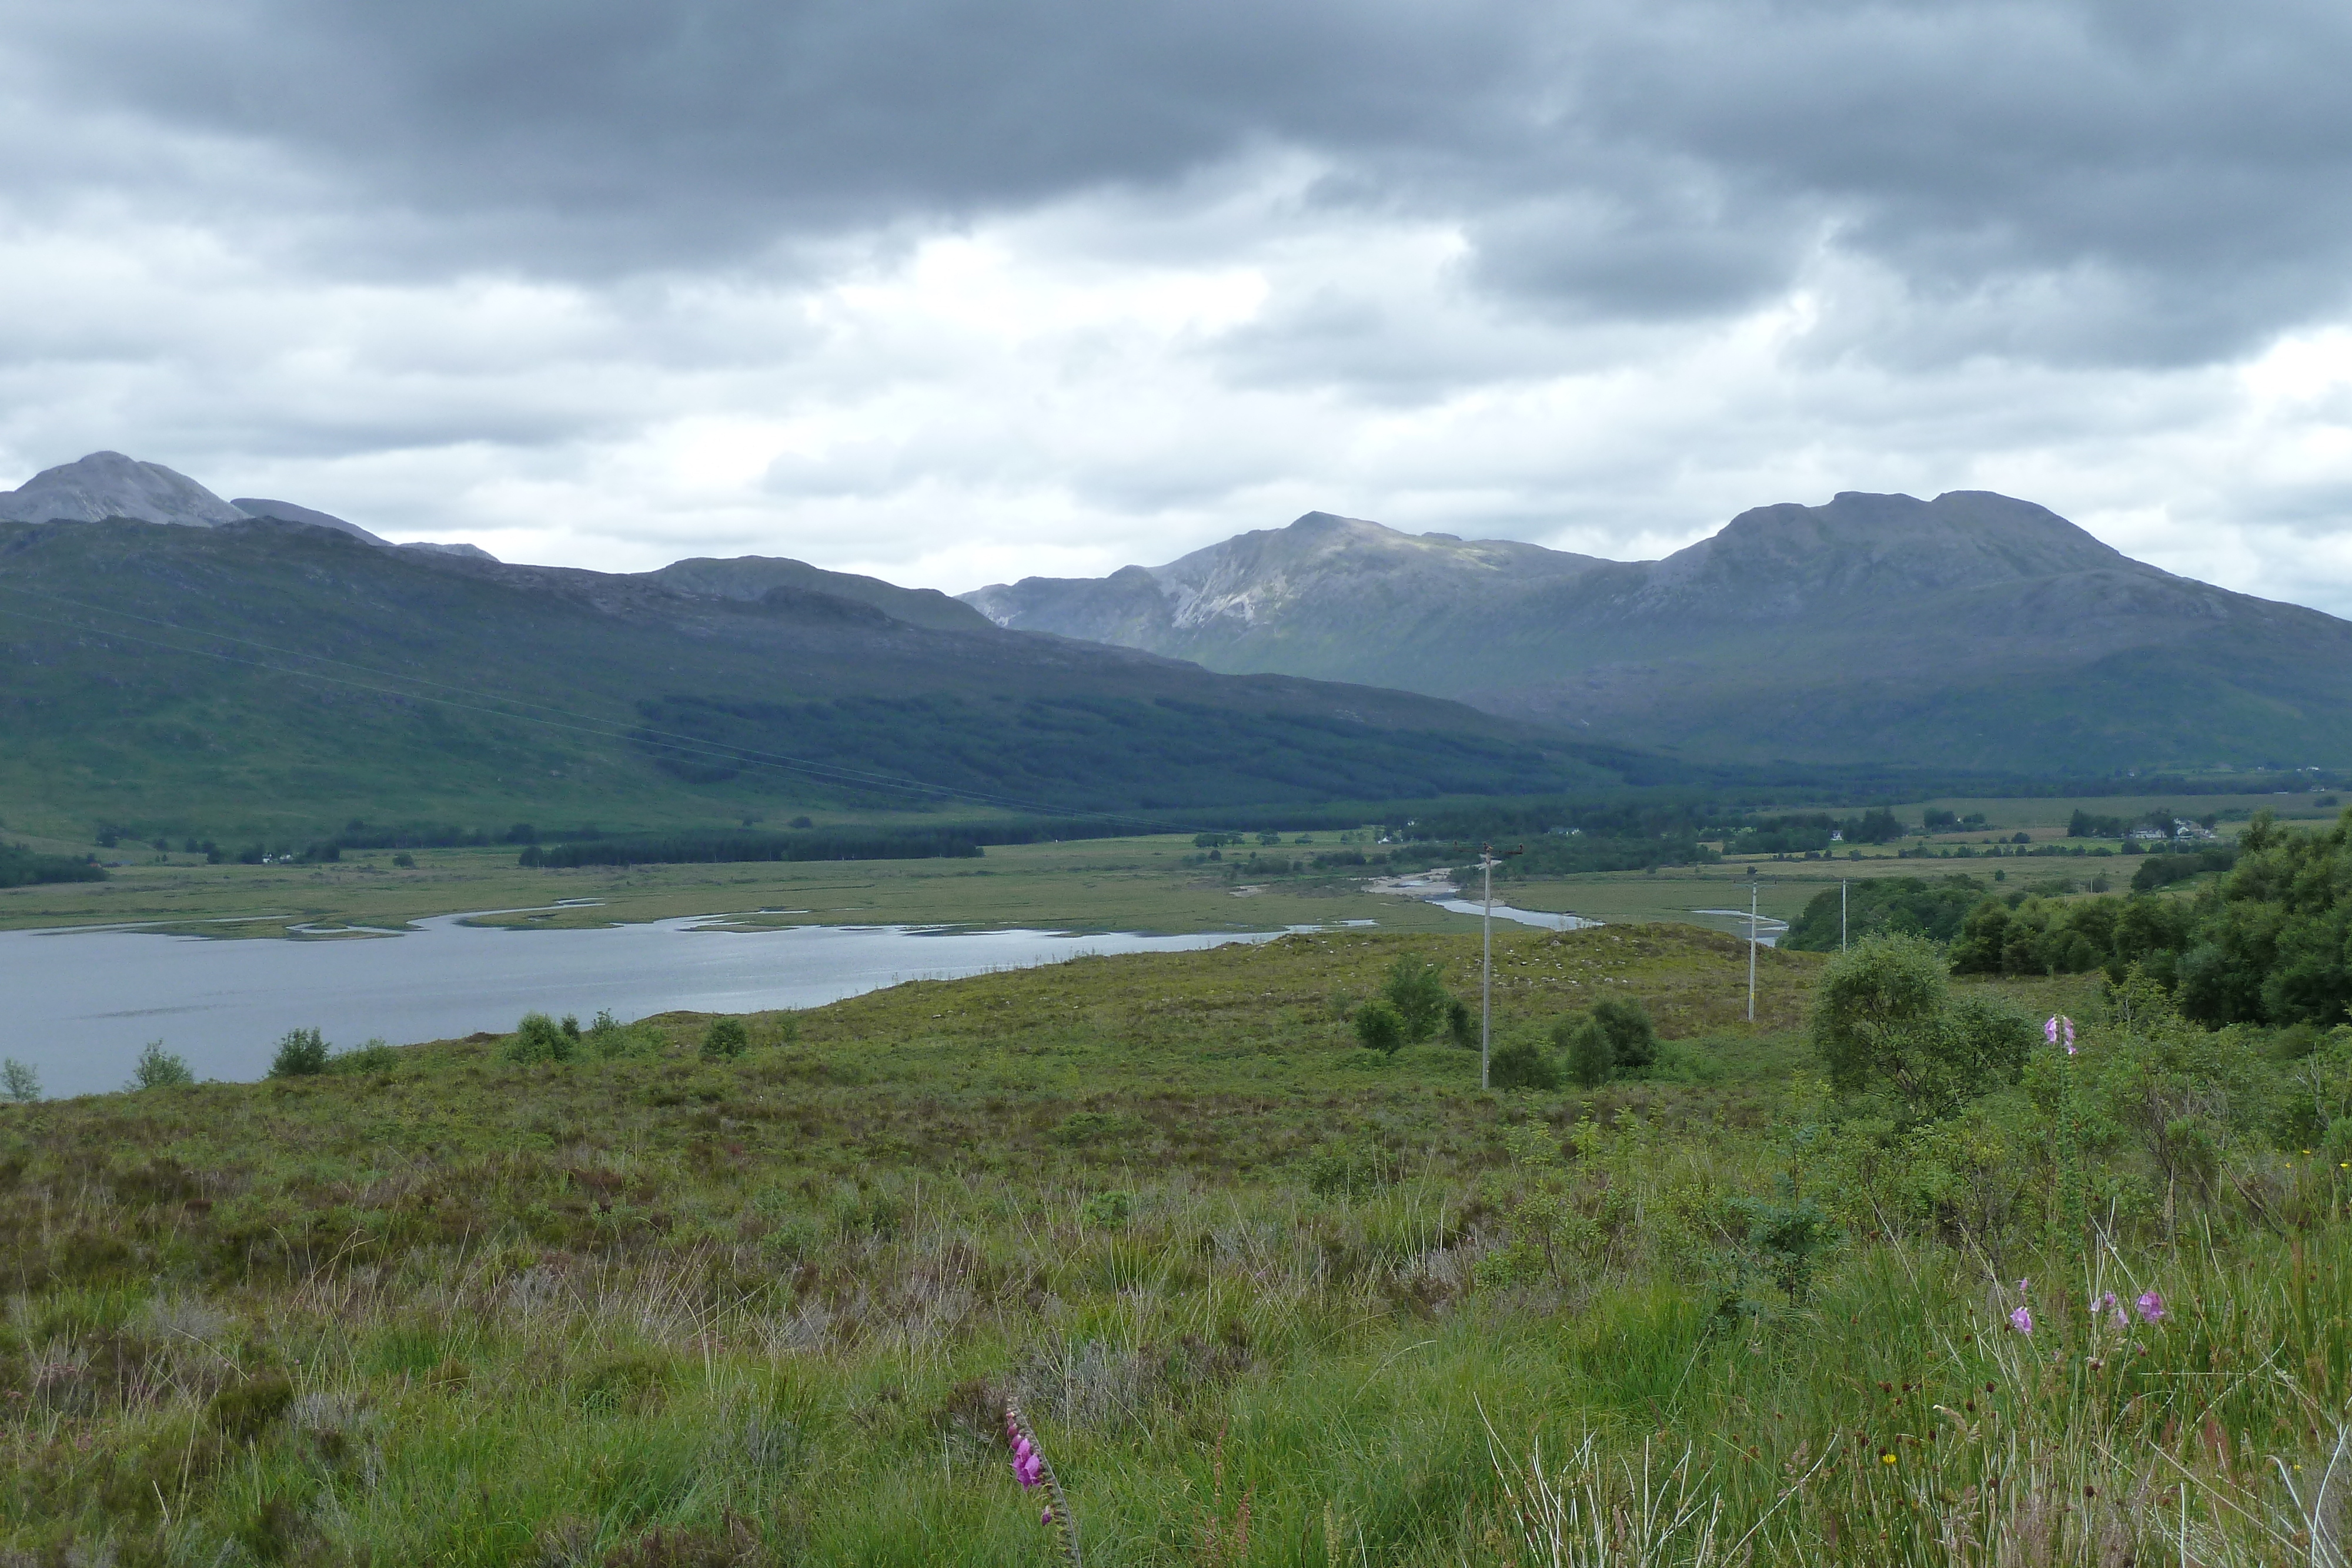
(705, 1291)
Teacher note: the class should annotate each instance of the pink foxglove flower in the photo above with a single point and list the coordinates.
(1031, 1470)
(2151, 1307)
(2057, 1027)
(2022, 1320)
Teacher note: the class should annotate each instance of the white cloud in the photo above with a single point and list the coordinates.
(1605, 307)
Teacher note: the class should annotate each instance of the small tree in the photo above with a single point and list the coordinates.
(1883, 1020)
(18, 1082)
(1416, 989)
(302, 1053)
(1379, 1027)
(1590, 1060)
(159, 1069)
(1461, 1025)
(726, 1039)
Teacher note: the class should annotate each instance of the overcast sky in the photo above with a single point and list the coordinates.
(956, 293)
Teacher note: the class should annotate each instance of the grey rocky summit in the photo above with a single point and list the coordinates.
(109, 485)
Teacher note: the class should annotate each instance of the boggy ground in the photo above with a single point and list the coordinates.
(1269, 1298)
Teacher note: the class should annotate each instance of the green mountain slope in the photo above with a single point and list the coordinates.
(1971, 631)
(263, 674)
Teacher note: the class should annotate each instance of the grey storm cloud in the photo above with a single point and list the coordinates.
(2151, 182)
(953, 292)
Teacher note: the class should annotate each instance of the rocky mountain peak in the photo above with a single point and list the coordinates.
(109, 485)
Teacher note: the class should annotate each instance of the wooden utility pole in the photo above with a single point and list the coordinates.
(1487, 966)
(1486, 859)
(1841, 915)
(1751, 950)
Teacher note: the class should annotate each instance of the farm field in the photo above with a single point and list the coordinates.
(1266, 1296)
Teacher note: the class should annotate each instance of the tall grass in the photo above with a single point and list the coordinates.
(667, 1313)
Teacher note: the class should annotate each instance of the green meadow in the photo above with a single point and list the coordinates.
(1268, 1297)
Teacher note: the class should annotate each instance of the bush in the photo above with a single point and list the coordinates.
(159, 1069)
(1883, 1021)
(375, 1056)
(1616, 1037)
(1109, 1209)
(1460, 1026)
(1523, 1064)
(1416, 990)
(1379, 1027)
(302, 1053)
(539, 1038)
(18, 1082)
(1632, 1040)
(726, 1039)
(609, 1040)
(1591, 1059)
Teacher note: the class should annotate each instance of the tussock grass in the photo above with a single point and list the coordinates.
(1268, 1298)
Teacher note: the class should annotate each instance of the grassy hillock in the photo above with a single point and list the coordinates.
(1268, 1297)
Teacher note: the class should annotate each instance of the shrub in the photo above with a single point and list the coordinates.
(609, 1040)
(18, 1082)
(1109, 1209)
(375, 1056)
(302, 1053)
(1523, 1064)
(1379, 1027)
(725, 1040)
(159, 1069)
(1632, 1040)
(1417, 991)
(539, 1038)
(404, 860)
(1460, 1026)
(1884, 1021)
(1616, 1037)
(1591, 1059)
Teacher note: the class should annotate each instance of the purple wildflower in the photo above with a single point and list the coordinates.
(1030, 1468)
(2151, 1307)
(2022, 1320)
(2114, 1309)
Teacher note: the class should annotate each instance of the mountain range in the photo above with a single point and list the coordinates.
(181, 664)
(1973, 630)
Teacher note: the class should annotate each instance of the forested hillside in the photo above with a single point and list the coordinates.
(265, 677)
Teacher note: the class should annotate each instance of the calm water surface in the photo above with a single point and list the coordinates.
(78, 1005)
(1524, 916)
